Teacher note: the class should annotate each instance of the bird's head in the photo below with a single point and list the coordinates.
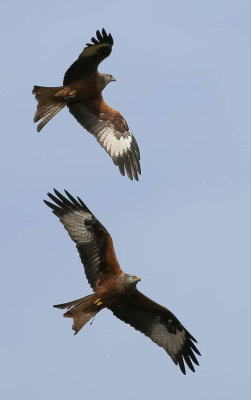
(129, 280)
(107, 78)
(134, 279)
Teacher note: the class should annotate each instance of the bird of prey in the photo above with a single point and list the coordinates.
(113, 288)
(82, 93)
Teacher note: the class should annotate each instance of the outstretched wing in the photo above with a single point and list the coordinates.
(160, 325)
(91, 57)
(92, 240)
(112, 133)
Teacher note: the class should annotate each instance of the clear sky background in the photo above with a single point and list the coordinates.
(183, 85)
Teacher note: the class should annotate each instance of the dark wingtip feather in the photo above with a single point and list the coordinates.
(189, 362)
(72, 203)
(57, 210)
(182, 365)
(110, 39)
(191, 337)
(49, 204)
(195, 361)
(192, 356)
(129, 161)
(58, 306)
(56, 200)
(101, 37)
(82, 204)
(73, 200)
(105, 36)
(195, 348)
(62, 204)
(94, 41)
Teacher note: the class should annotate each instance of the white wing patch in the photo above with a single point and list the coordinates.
(173, 341)
(74, 223)
(113, 143)
(120, 145)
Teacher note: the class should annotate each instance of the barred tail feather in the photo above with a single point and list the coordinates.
(48, 105)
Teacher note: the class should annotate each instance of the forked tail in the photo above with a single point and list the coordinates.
(81, 310)
(48, 104)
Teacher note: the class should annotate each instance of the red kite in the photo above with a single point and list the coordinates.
(114, 289)
(82, 93)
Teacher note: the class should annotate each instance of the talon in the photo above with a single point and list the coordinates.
(63, 92)
(72, 93)
(98, 302)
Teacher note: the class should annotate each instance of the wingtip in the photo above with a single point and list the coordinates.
(39, 127)
(68, 194)
(47, 203)
(101, 37)
(57, 193)
(136, 177)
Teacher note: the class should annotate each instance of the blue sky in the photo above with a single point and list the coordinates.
(183, 85)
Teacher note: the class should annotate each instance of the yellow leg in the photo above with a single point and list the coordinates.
(98, 302)
(72, 93)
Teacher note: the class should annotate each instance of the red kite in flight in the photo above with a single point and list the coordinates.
(114, 289)
(82, 93)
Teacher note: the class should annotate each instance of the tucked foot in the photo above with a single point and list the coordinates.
(72, 93)
(98, 302)
(65, 93)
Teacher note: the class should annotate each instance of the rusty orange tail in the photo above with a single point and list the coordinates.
(48, 104)
(81, 311)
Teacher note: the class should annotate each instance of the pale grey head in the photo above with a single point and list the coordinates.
(105, 79)
(127, 281)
